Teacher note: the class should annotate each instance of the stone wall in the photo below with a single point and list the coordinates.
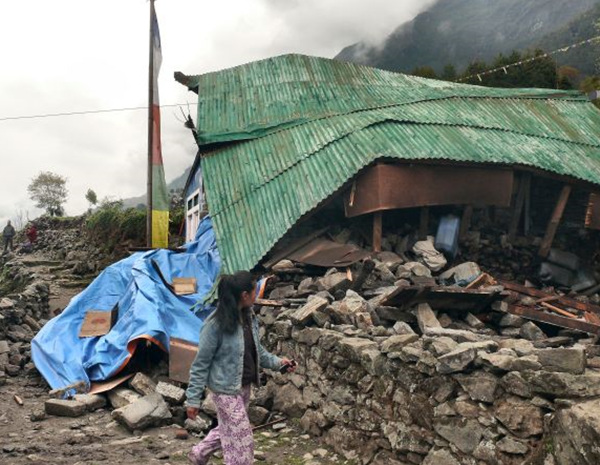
(419, 392)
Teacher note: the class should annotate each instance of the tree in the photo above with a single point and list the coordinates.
(449, 73)
(49, 191)
(91, 197)
(425, 72)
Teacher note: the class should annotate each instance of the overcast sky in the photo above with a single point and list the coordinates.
(77, 55)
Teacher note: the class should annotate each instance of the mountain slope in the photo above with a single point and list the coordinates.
(460, 31)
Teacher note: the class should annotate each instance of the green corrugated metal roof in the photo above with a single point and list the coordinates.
(302, 152)
(252, 100)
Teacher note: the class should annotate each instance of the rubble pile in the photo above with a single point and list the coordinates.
(454, 382)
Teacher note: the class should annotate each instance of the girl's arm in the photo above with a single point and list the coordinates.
(199, 371)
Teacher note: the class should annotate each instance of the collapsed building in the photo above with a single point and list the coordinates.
(414, 230)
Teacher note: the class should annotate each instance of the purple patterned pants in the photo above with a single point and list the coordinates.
(233, 434)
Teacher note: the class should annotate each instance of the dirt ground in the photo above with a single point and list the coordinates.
(97, 439)
(28, 436)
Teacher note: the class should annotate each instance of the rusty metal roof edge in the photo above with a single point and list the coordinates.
(347, 134)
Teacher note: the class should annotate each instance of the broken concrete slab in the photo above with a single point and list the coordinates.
(64, 408)
(172, 394)
(150, 410)
(120, 397)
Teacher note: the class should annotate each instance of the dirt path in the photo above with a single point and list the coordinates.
(31, 437)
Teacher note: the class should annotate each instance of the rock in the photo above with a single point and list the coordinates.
(373, 361)
(565, 385)
(497, 362)
(172, 394)
(282, 292)
(440, 457)
(473, 321)
(396, 343)
(304, 314)
(575, 434)
(486, 451)
(512, 446)
(142, 384)
(413, 268)
(4, 348)
(480, 386)
(257, 415)
(553, 342)
(511, 321)
(464, 434)
(520, 417)
(289, 400)
(150, 410)
(440, 345)
(571, 360)
(400, 327)
(426, 318)
(283, 265)
(531, 332)
(520, 346)
(91, 401)
(514, 383)
(333, 282)
(64, 408)
(352, 348)
(120, 397)
(458, 335)
(308, 336)
(526, 363)
(456, 361)
(390, 260)
(37, 415)
(199, 425)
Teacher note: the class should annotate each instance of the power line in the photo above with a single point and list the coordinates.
(87, 112)
(529, 60)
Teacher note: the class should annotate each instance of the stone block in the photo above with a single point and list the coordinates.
(396, 343)
(572, 360)
(456, 361)
(465, 434)
(480, 386)
(150, 410)
(426, 318)
(91, 401)
(575, 434)
(352, 347)
(172, 394)
(520, 417)
(4, 348)
(142, 384)
(64, 408)
(199, 425)
(567, 385)
(531, 332)
(511, 446)
(304, 314)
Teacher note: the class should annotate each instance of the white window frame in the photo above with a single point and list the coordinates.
(192, 215)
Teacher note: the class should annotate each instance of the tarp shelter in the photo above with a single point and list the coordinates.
(147, 310)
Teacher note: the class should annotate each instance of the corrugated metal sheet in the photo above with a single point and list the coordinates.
(252, 100)
(258, 189)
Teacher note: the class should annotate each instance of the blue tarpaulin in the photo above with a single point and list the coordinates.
(147, 309)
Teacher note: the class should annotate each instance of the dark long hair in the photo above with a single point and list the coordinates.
(230, 291)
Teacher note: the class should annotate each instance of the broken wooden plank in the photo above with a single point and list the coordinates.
(550, 298)
(554, 221)
(269, 303)
(424, 223)
(565, 301)
(518, 210)
(552, 319)
(465, 223)
(592, 318)
(377, 231)
(560, 311)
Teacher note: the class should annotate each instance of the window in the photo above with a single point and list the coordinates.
(192, 215)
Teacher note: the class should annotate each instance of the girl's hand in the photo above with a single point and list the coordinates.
(289, 363)
(192, 412)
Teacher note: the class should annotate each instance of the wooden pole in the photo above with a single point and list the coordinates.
(424, 223)
(377, 231)
(518, 210)
(554, 221)
(150, 130)
(465, 223)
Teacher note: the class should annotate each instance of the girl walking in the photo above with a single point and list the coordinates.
(228, 362)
